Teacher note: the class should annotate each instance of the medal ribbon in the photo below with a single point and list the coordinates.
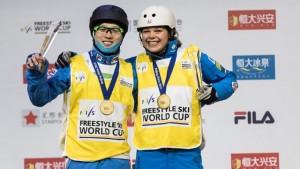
(106, 93)
(163, 87)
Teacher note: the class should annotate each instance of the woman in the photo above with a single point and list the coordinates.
(168, 129)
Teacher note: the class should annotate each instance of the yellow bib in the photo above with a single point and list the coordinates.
(178, 126)
(91, 135)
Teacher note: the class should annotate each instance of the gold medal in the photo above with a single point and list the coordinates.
(106, 107)
(163, 101)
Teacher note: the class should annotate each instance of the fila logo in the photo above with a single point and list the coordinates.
(251, 117)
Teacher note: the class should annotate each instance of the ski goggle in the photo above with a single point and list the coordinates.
(114, 30)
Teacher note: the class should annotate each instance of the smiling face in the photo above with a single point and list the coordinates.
(154, 39)
(108, 34)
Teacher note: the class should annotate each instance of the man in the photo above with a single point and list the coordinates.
(97, 89)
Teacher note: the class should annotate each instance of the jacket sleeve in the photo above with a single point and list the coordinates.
(213, 73)
(42, 90)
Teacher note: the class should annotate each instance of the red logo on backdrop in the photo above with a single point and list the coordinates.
(30, 118)
(251, 19)
(51, 71)
(255, 161)
(44, 163)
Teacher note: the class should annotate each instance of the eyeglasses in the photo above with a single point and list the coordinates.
(114, 30)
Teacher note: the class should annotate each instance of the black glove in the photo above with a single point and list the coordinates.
(63, 59)
(207, 94)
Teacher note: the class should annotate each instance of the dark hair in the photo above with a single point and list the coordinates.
(174, 35)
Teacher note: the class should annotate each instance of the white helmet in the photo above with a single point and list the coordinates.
(156, 15)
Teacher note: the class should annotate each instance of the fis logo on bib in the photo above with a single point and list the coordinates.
(141, 67)
(80, 77)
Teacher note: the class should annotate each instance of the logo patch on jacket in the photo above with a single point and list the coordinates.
(142, 67)
(218, 65)
(186, 64)
(126, 82)
(80, 77)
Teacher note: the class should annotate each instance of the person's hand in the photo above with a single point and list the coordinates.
(63, 59)
(35, 61)
(207, 94)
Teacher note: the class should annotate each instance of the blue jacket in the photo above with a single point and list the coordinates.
(42, 91)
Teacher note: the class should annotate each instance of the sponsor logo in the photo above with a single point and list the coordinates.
(126, 82)
(186, 64)
(179, 25)
(36, 118)
(41, 27)
(30, 118)
(251, 117)
(44, 163)
(254, 67)
(251, 19)
(255, 161)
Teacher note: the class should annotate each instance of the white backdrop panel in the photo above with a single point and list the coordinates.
(204, 23)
